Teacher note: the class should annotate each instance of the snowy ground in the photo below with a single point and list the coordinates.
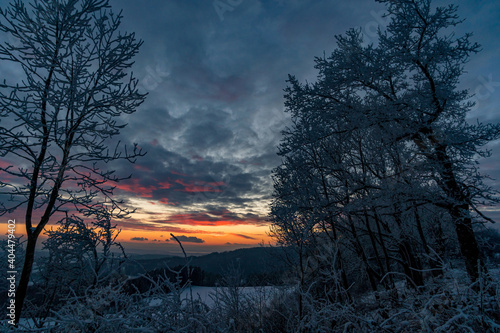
(209, 295)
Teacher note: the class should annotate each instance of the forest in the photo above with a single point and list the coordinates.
(378, 211)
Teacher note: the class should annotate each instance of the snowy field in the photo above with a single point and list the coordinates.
(210, 295)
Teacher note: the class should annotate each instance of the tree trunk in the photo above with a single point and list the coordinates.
(467, 240)
(339, 266)
(459, 212)
(411, 265)
(389, 281)
(22, 287)
(373, 277)
(374, 243)
(434, 264)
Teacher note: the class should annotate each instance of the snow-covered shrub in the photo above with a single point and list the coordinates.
(114, 309)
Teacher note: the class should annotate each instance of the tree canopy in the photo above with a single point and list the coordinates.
(380, 153)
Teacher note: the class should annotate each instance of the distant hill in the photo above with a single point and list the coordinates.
(258, 261)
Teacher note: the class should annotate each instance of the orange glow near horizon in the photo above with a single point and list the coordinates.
(195, 225)
(215, 235)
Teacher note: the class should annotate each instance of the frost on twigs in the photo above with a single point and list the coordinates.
(60, 115)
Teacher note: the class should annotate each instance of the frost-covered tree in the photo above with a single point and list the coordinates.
(91, 246)
(428, 111)
(81, 256)
(58, 114)
(381, 139)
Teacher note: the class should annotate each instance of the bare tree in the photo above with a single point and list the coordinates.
(58, 118)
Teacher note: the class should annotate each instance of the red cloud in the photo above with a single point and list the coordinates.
(135, 187)
(160, 225)
(134, 224)
(177, 173)
(6, 177)
(198, 219)
(213, 219)
(165, 201)
(4, 164)
(164, 185)
(141, 167)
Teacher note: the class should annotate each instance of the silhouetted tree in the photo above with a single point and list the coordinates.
(381, 135)
(57, 119)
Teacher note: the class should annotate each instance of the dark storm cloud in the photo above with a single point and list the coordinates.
(140, 239)
(188, 239)
(207, 130)
(174, 179)
(214, 113)
(243, 236)
(239, 244)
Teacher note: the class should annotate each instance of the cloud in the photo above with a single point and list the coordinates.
(239, 244)
(200, 186)
(243, 236)
(215, 218)
(214, 114)
(140, 239)
(180, 181)
(152, 225)
(188, 239)
(133, 185)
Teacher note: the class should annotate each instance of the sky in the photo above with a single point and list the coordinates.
(215, 72)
